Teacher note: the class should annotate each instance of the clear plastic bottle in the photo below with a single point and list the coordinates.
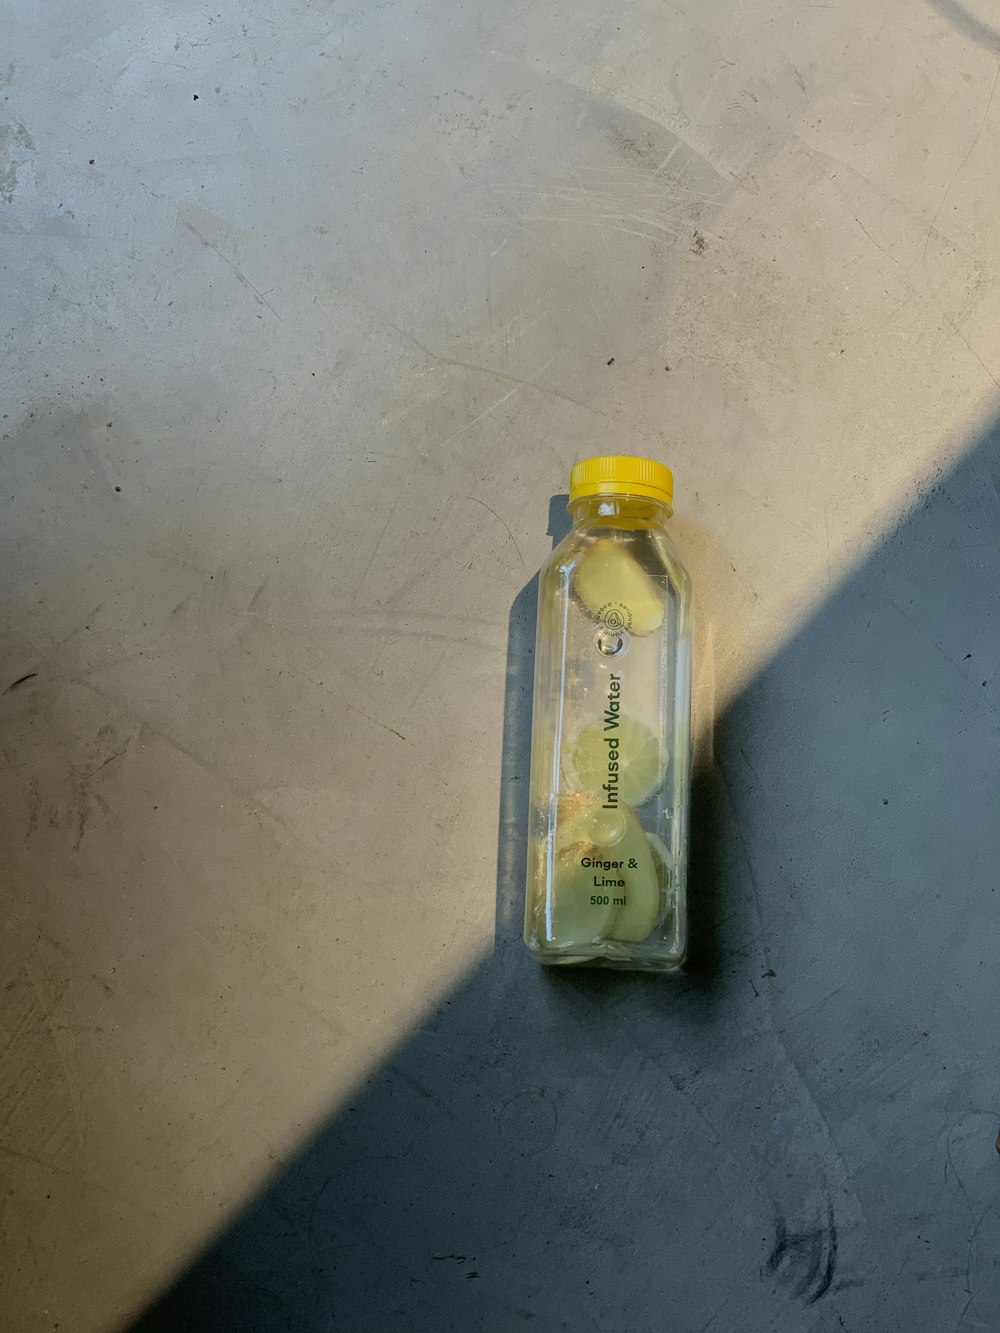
(611, 729)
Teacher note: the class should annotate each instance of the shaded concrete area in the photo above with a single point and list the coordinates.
(800, 1133)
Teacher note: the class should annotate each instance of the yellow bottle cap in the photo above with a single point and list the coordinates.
(620, 474)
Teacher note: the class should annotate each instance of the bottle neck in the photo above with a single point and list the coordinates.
(619, 511)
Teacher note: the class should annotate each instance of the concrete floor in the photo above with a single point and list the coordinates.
(308, 309)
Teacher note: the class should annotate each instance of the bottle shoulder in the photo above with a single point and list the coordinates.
(649, 545)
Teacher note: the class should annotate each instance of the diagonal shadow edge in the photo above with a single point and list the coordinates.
(589, 1150)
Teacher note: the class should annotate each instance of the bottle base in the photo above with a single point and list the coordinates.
(608, 955)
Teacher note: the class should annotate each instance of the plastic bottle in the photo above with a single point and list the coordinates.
(611, 729)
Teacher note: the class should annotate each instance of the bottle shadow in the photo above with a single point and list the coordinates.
(515, 764)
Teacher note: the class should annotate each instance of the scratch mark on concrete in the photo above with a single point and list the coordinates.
(375, 721)
(377, 547)
(878, 247)
(750, 766)
(933, 224)
(500, 520)
(21, 680)
(481, 417)
(749, 587)
(255, 599)
(112, 757)
(71, 1087)
(32, 1160)
(242, 277)
(543, 390)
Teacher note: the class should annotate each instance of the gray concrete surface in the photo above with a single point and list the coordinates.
(308, 309)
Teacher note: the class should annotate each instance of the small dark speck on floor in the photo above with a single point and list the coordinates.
(770, 972)
(885, 801)
(611, 360)
(998, 1143)
(117, 488)
(698, 243)
(666, 367)
(966, 657)
(196, 97)
(91, 162)
(110, 424)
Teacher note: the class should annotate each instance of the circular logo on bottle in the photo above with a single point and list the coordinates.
(616, 615)
(616, 621)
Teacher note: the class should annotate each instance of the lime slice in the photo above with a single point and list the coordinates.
(643, 893)
(583, 831)
(609, 575)
(642, 760)
(569, 916)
